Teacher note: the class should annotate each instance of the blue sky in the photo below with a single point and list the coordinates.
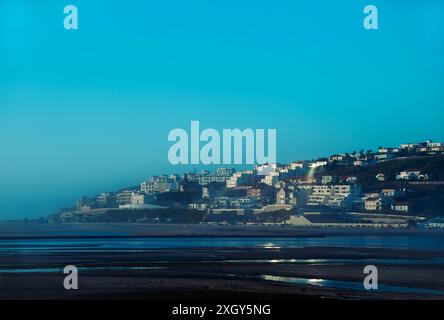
(90, 110)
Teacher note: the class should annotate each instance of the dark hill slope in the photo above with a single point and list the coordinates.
(432, 165)
(426, 199)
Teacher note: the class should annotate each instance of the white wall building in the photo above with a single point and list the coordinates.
(340, 195)
(373, 204)
(412, 175)
(245, 178)
(160, 184)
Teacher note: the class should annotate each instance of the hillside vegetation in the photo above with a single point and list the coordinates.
(432, 165)
(426, 199)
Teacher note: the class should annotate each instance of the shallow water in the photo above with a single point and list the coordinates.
(60, 270)
(410, 242)
(348, 285)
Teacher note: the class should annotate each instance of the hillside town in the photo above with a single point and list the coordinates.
(357, 189)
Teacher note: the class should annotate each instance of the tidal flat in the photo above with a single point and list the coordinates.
(179, 262)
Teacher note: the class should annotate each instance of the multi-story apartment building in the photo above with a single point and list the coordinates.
(128, 197)
(124, 197)
(340, 195)
(233, 202)
(373, 204)
(137, 198)
(161, 184)
(106, 199)
(206, 177)
(244, 178)
(271, 179)
(225, 172)
(432, 144)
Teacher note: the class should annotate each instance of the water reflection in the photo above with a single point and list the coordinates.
(417, 242)
(348, 285)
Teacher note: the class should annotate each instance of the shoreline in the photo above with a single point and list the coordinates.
(31, 231)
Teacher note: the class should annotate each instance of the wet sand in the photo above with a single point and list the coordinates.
(215, 273)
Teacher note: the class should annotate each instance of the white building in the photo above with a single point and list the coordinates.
(432, 144)
(233, 202)
(198, 206)
(124, 197)
(245, 178)
(380, 177)
(128, 197)
(318, 164)
(389, 193)
(161, 184)
(137, 198)
(272, 179)
(286, 196)
(340, 195)
(298, 165)
(383, 156)
(409, 146)
(266, 169)
(373, 204)
(205, 193)
(401, 206)
(388, 150)
(412, 175)
(337, 157)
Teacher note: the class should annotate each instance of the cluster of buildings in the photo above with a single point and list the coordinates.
(387, 199)
(125, 199)
(368, 158)
(273, 187)
(412, 175)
